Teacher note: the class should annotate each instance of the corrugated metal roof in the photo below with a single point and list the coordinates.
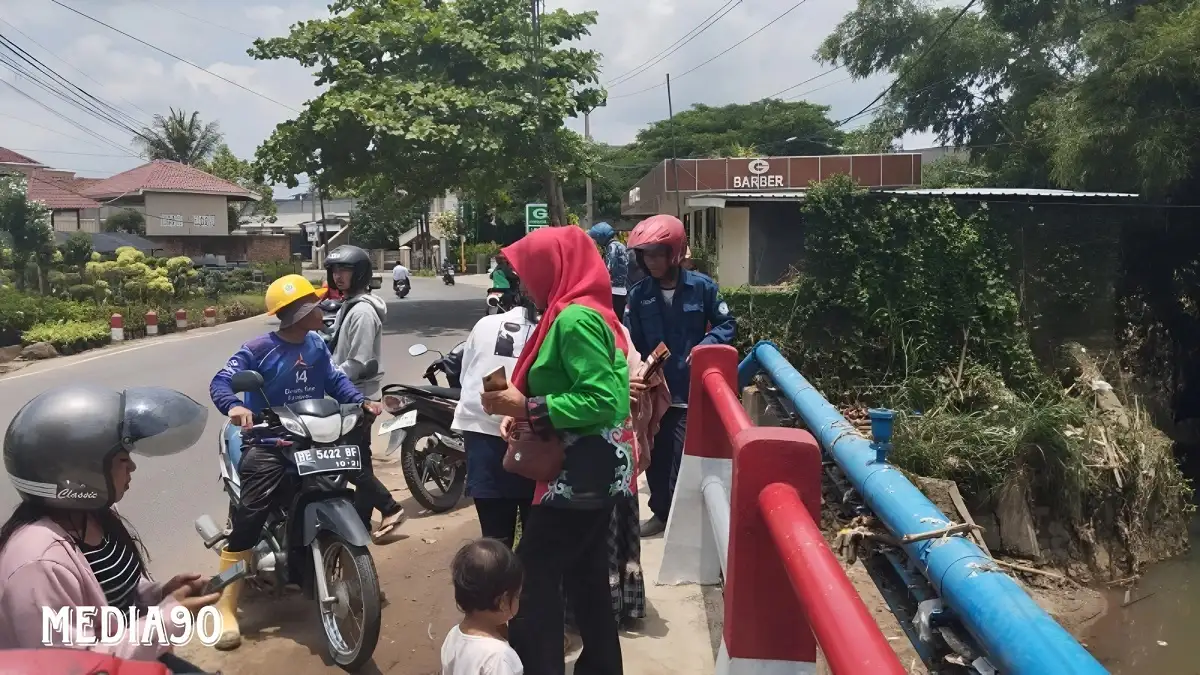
(734, 196)
(1008, 192)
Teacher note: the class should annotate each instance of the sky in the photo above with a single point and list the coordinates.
(214, 35)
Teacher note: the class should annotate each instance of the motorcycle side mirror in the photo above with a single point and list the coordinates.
(376, 282)
(247, 380)
(329, 305)
(417, 350)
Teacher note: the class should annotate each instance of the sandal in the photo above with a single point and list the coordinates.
(388, 524)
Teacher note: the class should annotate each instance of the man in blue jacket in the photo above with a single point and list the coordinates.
(616, 260)
(681, 309)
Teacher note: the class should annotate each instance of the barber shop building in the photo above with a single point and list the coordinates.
(747, 211)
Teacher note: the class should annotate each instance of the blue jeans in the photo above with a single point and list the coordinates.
(665, 456)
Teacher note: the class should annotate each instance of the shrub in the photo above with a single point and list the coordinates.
(70, 336)
(484, 248)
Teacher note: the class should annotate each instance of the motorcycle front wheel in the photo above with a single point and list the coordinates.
(421, 467)
(350, 624)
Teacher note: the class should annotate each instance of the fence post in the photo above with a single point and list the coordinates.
(116, 325)
(690, 554)
(151, 323)
(764, 619)
(181, 319)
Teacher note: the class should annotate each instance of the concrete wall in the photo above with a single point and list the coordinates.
(177, 214)
(249, 248)
(733, 247)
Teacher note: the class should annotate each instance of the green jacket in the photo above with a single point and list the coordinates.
(500, 279)
(579, 387)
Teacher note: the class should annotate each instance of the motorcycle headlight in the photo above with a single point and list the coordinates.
(394, 404)
(294, 427)
(349, 422)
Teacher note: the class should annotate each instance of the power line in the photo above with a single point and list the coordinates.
(53, 131)
(69, 65)
(714, 58)
(66, 119)
(681, 42)
(64, 152)
(196, 18)
(800, 84)
(921, 57)
(177, 58)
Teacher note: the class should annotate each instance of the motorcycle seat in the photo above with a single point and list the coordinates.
(443, 392)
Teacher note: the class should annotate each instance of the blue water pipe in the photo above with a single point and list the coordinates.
(1017, 635)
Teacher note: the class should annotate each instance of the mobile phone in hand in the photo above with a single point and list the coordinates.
(220, 581)
(655, 361)
(496, 380)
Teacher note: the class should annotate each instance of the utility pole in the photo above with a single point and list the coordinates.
(674, 149)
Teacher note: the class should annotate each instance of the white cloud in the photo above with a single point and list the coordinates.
(137, 78)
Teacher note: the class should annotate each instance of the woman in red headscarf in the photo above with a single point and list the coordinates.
(572, 379)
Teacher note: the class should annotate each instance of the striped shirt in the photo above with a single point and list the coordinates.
(117, 569)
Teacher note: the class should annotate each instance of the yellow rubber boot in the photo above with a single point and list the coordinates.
(231, 635)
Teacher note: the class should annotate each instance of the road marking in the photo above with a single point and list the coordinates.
(115, 352)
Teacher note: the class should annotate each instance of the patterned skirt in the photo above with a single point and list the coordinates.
(625, 582)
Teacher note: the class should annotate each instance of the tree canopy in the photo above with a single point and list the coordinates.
(767, 127)
(434, 96)
(1085, 94)
(179, 137)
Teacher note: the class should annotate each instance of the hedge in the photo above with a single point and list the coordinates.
(765, 313)
(71, 336)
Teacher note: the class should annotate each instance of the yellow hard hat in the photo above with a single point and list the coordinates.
(287, 289)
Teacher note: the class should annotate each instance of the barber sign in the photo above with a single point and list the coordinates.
(84, 626)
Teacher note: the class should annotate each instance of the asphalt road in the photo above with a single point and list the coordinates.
(167, 494)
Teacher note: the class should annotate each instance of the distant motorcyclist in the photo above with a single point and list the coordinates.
(296, 365)
(357, 337)
(69, 454)
(616, 259)
(400, 275)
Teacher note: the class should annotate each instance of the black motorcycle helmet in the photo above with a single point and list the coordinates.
(355, 258)
(59, 449)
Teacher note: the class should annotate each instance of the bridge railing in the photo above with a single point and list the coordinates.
(1016, 635)
(747, 506)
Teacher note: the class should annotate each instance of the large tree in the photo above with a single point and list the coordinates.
(767, 127)
(433, 95)
(225, 164)
(179, 137)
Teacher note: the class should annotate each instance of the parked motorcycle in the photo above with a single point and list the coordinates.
(430, 451)
(330, 309)
(402, 287)
(318, 540)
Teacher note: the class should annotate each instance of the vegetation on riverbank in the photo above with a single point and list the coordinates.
(915, 308)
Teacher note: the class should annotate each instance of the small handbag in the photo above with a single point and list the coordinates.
(535, 456)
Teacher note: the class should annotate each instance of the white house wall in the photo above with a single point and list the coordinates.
(177, 214)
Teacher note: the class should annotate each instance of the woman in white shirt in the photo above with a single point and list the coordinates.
(500, 497)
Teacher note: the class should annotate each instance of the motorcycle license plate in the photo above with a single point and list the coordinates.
(328, 460)
(399, 422)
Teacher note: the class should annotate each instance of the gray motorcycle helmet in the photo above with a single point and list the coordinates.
(59, 448)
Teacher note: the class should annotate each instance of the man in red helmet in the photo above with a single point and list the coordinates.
(682, 309)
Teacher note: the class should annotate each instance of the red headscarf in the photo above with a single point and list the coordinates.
(558, 267)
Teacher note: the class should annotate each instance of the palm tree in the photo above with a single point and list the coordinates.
(179, 137)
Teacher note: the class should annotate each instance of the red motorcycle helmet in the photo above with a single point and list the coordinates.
(73, 662)
(660, 230)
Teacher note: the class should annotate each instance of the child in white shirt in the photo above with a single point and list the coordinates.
(487, 589)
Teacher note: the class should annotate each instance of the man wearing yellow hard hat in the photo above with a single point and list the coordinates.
(295, 364)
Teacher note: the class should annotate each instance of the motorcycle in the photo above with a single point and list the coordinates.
(448, 275)
(401, 287)
(499, 300)
(330, 309)
(430, 451)
(318, 539)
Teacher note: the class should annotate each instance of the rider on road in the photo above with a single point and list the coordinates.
(295, 365)
(399, 273)
(357, 335)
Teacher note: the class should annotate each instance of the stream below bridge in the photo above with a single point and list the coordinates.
(1159, 632)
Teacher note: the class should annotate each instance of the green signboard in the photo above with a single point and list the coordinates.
(536, 215)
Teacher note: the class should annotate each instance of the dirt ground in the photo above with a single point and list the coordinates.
(284, 635)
